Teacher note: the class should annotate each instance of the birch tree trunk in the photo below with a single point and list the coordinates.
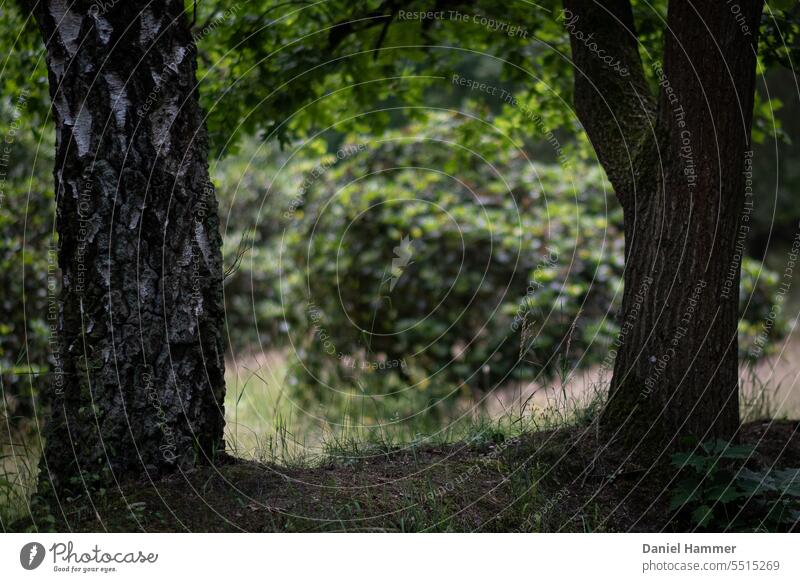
(142, 386)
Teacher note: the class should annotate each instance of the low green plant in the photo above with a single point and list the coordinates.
(718, 492)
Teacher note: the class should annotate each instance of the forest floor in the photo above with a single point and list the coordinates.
(543, 481)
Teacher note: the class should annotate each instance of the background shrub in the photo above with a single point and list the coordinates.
(403, 271)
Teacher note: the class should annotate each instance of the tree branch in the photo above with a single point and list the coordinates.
(612, 99)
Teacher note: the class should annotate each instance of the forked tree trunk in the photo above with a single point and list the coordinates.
(142, 385)
(677, 164)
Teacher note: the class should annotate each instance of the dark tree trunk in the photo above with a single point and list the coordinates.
(676, 163)
(142, 385)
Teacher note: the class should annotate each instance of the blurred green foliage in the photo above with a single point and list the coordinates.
(29, 276)
(403, 269)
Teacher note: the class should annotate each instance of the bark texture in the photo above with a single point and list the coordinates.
(142, 385)
(676, 161)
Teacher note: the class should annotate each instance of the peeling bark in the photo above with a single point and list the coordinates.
(139, 248)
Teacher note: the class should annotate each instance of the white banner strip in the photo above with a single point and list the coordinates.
(404, 558)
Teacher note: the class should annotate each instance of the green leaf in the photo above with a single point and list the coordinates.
(724, 449)
(686, 492)
(702, 516)
(724, 493)
(782, 4)
(693, 460)
(755, 483)
(739, 452)
(787, 482)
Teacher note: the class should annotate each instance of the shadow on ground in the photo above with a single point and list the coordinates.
(546, 481)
